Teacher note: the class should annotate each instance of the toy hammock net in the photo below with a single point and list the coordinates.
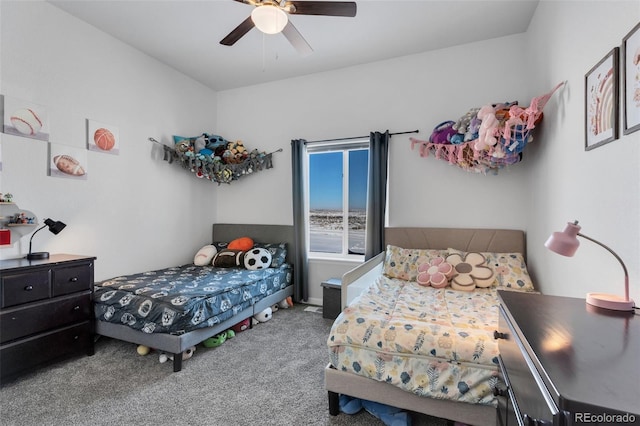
(485, 139)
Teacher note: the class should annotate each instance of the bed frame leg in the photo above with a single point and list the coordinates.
(177, 362)
(334, 403)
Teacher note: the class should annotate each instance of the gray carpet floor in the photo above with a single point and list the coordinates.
(269, 375)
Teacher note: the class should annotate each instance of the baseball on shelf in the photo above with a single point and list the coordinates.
(26, 121)
(69, 165)
(104, 139)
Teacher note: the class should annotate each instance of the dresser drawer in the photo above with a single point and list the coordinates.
(42, 316)
(71, 279)
(24, 288)
(529, 397)
(22, 356)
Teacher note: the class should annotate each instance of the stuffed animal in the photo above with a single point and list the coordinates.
(462, 126)
(263, 316)
(218, 339)
(164, 357)
(241, 326)
(235, 153)
(285, 303)
(488, 128)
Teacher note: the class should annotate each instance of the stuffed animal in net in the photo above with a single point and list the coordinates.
(263, 316)
(188, 353)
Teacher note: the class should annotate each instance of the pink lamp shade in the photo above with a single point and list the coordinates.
(566, 243)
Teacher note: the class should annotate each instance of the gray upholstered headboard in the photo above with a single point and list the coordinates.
(467, 239)
(258, 233)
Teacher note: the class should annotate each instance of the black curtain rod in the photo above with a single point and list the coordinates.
(361, 137)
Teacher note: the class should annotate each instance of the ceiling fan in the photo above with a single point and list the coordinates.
(271, 17)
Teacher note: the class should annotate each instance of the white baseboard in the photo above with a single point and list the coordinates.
(313, 301)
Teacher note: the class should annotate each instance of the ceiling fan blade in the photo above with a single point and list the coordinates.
(326, 8)
(296, 39)
(238, 32)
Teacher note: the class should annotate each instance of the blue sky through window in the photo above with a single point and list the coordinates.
(325, 180)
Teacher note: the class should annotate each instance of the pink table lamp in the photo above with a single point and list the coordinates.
(566, 243)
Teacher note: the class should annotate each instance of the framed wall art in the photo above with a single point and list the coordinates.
(631, 80)
(601, 101)
(102, 137)
(67, 162)
(26, 119)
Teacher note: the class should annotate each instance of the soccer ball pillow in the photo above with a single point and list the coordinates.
(257, 258)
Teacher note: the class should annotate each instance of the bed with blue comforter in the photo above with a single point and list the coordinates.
(180, 299)
(177, 307)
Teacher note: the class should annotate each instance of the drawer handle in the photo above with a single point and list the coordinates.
(73, 279)
(497, 335)
(28, 288)
(76, 308)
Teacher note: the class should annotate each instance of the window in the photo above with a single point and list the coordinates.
(337, 197)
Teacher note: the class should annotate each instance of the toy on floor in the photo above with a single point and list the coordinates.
(283, 304)
(164, 357)
(263, 316)
(286, 303)
(390, 416)
(143, 350)
(241, 326)
(218, 339)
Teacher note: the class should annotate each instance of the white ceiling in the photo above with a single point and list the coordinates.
(185, 34)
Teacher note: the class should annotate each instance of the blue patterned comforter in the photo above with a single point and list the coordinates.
(183, 298)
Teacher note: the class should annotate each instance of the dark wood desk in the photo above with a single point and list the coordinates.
(566, 362)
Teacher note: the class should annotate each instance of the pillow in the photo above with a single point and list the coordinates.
(204, 256)
(470, 271)
(220, 245)
(227, 258)
(242, 243)
(403, 263)
(435, 273)
(510, 270)
(257, 258)
(278, 252)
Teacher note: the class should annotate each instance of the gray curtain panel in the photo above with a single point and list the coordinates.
(377, 193)
(300, 267)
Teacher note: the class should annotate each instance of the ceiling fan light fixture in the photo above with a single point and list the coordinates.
(269, 19)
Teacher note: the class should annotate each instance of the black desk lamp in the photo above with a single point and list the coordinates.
(55, 227)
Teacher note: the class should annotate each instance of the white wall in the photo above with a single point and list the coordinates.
(413, 92)
(601, 187)
(135, 212)
(163, 214)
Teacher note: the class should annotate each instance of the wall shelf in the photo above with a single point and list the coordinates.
(8, 212)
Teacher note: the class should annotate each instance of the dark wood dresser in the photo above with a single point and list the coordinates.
(46, 311)
(566, 362)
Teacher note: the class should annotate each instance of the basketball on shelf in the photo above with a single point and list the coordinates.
(104, 139)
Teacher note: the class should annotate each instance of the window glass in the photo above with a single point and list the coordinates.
(337, 191)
